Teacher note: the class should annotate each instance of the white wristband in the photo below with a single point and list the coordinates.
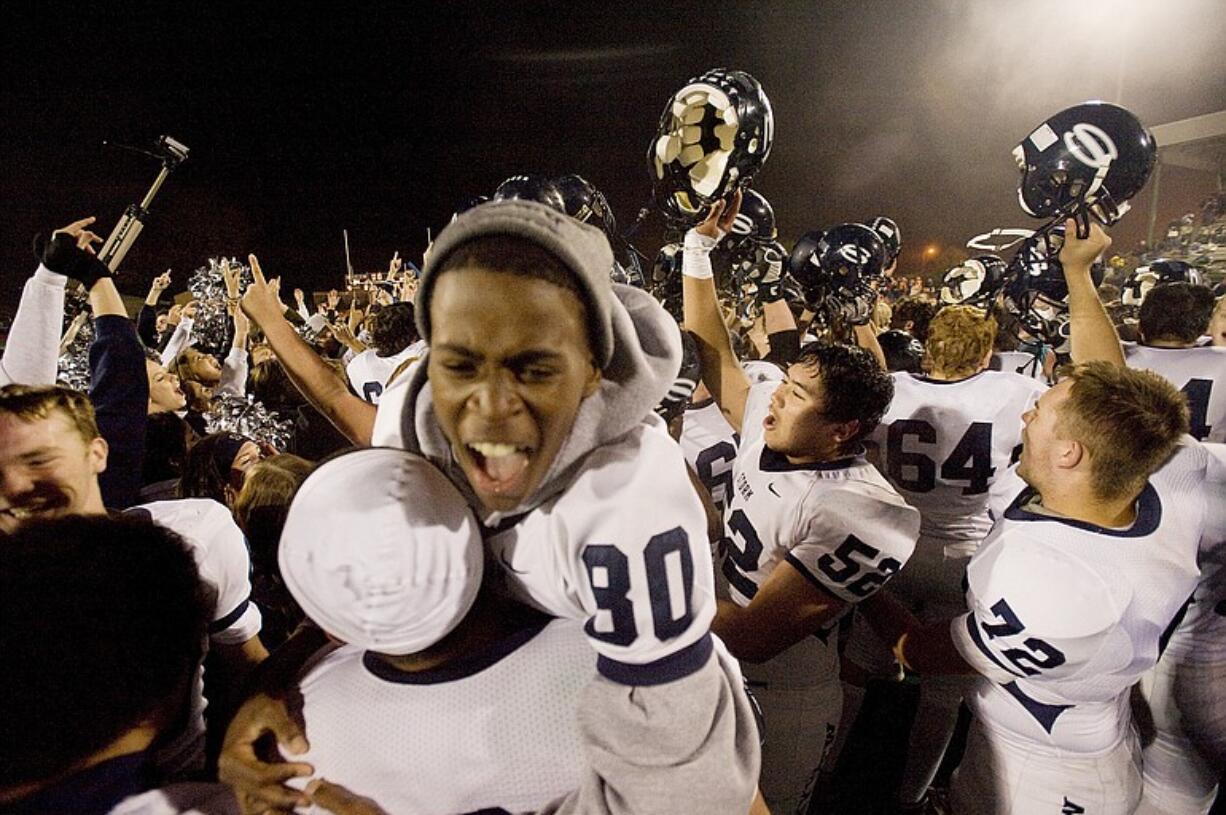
(696, 255)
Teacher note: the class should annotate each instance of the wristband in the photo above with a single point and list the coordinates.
(696, 255)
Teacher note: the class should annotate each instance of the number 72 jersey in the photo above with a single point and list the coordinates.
(1065, 616)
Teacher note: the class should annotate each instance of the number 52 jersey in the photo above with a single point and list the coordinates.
(839, 523)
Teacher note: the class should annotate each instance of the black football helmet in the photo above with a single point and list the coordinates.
(666, 279)
(586, 204)
(467, 204)
(753, 228)
(1035, 291)
(890, 235)
(714, 135)
(975, 281)
(850, 253)
(1157, 272)
(903, 352)
(1087, 159)
(531, 188)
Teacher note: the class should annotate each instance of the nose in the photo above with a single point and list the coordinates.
(495, 398)
(1027, 416)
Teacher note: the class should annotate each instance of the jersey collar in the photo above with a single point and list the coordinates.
(1149, 515)
(774, 462)
(461, 667)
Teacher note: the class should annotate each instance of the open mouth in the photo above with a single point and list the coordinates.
(29, 510)
(499, 468)
(770, 421)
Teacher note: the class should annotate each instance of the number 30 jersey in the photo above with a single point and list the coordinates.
(944, 443)
(839, 523)
(1065, 616)
(623, 548)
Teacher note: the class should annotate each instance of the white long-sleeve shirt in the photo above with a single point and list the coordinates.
(33, 345)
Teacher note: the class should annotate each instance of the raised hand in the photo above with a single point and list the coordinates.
(77, 230)
(261, 302)
(719, 219)
(1082, 252)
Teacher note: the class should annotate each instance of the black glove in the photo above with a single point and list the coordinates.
(62, 256)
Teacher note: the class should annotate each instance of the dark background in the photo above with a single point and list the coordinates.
(380, 118)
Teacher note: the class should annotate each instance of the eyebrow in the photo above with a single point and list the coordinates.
(532, 355)
(39, 451)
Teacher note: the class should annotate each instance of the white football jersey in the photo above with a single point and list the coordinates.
(220, 551)
(1066, 616)
(840, 523)
(1020, 362)
(369, 373)
(495, 729)
(944, 443)
(1200, 373)
(709, 445)
(623, 547)
(1201, 637)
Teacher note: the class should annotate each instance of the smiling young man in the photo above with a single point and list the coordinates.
(51, 455)
(536, 402)
(812, 527)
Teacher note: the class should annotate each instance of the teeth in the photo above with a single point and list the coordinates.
(491, 449)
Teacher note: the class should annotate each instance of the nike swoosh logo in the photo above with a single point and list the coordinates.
(502, 557)
(771, 487)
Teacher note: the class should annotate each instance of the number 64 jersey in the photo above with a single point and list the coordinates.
(1065, 616)
(839, 523)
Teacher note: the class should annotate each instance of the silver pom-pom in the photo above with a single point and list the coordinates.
(72, 370)
(247, 417)
(211, 329)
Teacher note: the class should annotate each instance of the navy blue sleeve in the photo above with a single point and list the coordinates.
(146, 326)
(119, 389)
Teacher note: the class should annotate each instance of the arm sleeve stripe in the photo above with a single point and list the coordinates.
(217, 626)
(666, 669)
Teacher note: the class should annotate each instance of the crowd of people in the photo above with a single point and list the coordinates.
(355, 555)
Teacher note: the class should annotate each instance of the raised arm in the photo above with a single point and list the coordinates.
(721, 371)
(318, 383)
(1091, 332)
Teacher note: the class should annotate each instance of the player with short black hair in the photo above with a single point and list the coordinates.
(105, 621)
(811, 527)
(1173, 317)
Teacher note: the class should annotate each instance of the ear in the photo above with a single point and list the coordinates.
(1070, 454)
(846, 431)
(593, 381)
(96, 453)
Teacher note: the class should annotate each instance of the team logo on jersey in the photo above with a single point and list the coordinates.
(1091, 145)
(854, 254)
(1072, 809)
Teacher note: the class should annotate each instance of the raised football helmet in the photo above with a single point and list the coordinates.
(1035, 290)
(1087, 159)
(586, 204)
(531, 188)
(1157, 272)
(713, 136)
(975, 281)
(890, 235)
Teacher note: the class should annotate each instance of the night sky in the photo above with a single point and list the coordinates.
(379, 119)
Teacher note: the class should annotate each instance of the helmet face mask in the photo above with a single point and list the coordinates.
(1036, 291)
(1156, 272)
(713, 137)
(1086, 160)
(975, 282)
